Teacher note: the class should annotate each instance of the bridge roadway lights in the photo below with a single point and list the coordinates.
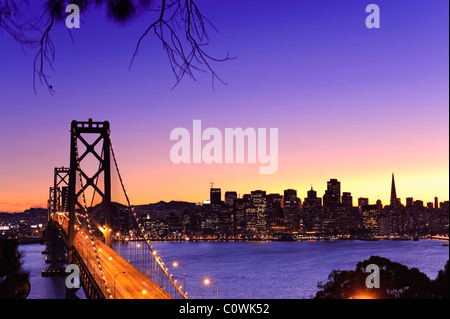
(62, 240)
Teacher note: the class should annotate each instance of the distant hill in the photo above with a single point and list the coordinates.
(32, 216)
(175, 205)
(158, 210)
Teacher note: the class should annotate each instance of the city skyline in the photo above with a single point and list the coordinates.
(260, 215)
(403, 200)
(349, 102)
(221, 193)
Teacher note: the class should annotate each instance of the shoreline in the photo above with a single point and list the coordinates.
(42, 240)
(281, 240)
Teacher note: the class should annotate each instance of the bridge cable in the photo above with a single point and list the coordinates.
(141, 228)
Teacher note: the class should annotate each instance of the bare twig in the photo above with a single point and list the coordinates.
(187, 55)
(45, 54)
(180, 27)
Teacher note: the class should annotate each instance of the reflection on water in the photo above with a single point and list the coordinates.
(272, 270)
(43, 287)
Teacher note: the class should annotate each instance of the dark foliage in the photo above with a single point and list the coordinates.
(14, 282)
(396, 282)
(440, 284)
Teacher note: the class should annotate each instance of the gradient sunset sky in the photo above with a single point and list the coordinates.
(349, 102)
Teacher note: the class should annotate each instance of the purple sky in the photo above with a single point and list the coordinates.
(350, 103)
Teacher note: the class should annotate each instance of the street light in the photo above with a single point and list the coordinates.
(138, 292)
(122, 272)
(176, 264)
(208, 281)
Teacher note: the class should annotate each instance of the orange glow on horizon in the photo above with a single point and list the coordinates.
(150, 179)
(362, 296)
(191, 183)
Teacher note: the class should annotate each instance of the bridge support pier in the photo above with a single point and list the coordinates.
(56, 253)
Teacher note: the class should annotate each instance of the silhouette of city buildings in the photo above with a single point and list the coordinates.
(259, 215)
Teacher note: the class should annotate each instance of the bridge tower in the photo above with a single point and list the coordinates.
(78, 133)
(56, 203)
(50, 205)
(60, 188)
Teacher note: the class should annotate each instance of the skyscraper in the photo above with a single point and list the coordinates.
(409, 201)
(215, 196)
(332, 196)
(363, 201)
(247, 198)
(394, 200)
(334, 187)
(230, 197)
(290, 197)
(239, 208)
(291, 206)
(396, 214)
(379, 205)
(312, 211)
(347, 199)
(259, 201)
(251, 221)
(370, 214)
(274, 201)
(291, 203)
(312, 197)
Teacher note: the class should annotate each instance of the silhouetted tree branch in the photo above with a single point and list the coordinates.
(183, 55)
(180, 26)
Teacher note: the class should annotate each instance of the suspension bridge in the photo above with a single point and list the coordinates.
(90, 217)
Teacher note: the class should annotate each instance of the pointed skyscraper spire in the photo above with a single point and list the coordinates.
(393, 192)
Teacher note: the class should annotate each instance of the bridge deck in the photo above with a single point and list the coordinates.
(129, 285)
